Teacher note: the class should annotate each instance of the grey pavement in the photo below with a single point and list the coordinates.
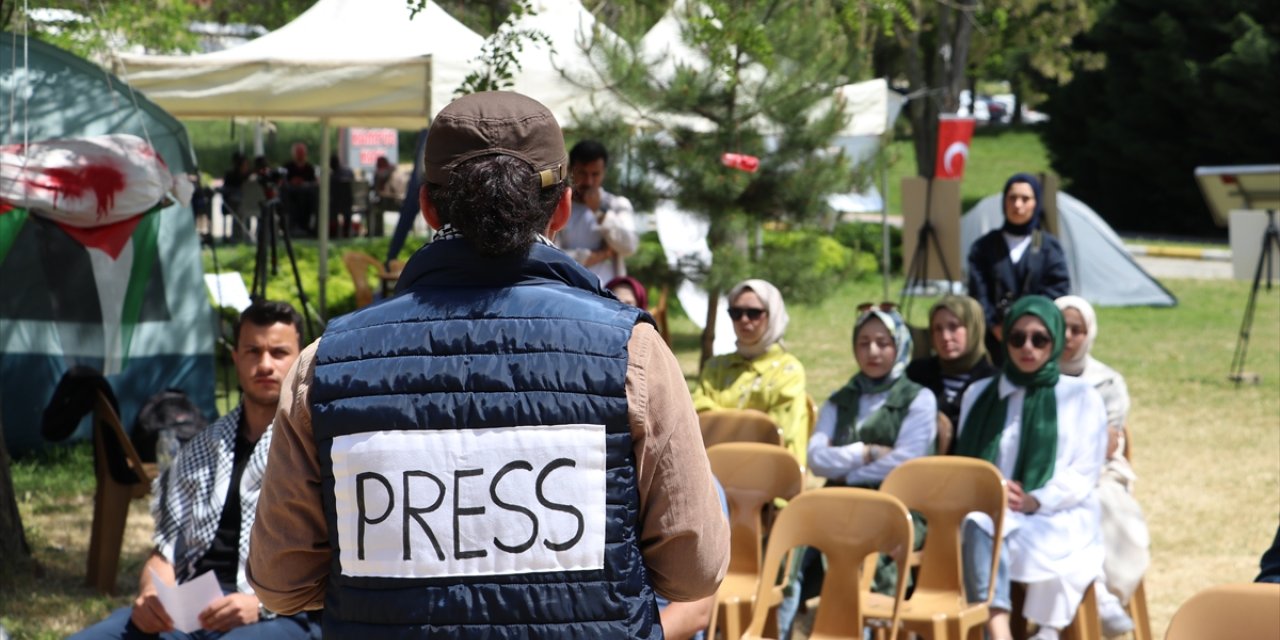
(1163, 267)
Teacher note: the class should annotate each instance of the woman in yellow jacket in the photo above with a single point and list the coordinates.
(761, 374)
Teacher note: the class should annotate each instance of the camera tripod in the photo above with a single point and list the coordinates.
(1270, 252)
(918, 267)
(272, 226)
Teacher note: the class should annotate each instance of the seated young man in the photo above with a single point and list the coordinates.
(204, 504)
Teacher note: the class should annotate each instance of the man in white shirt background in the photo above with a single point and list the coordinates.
(601, 232)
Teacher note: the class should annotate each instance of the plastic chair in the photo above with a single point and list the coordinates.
(358, 265)
(813, 413)
(753, 476)
(1237, 611)
(846, 525)
(738, 425)
(121, 476)
(943, 489)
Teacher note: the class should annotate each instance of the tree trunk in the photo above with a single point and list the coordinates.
(13, 542)
(709, 331)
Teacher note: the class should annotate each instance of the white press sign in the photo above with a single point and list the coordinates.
(471, 502)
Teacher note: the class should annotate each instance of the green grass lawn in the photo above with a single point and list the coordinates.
(1207, 452)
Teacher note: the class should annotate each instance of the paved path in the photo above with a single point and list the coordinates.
(1163, 267)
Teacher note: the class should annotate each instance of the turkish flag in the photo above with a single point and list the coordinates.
(954, 135)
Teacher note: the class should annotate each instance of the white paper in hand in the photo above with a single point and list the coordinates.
(184, 602)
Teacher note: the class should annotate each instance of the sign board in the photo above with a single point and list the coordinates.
(943, 215)
(360, 147)
(1247, 233)
(1244, 187)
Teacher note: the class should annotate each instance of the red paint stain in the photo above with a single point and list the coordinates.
(104, 181)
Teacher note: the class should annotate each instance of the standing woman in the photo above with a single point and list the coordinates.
(1018, 259)
(1047, 434)
(761, 374)
(957, 330)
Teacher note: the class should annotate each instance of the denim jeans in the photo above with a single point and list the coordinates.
(118, 626)
(975, 553)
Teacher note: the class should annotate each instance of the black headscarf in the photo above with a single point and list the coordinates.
(1034, 223)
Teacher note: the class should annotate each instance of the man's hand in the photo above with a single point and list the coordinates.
(229, 612)
(149, 615)
(598, 256)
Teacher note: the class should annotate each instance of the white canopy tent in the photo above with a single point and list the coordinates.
(342, 62)
(567, 78)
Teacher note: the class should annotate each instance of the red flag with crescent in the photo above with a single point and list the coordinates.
(954, 135)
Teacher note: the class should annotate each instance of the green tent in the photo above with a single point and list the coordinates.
(66, 303)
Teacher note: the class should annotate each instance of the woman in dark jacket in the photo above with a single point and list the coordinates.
(959, 357)
(1016, 260)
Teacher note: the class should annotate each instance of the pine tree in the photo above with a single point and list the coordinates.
(759, 82)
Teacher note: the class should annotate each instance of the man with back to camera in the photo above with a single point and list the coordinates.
(601, 231)
(205, 503)
(499, 450)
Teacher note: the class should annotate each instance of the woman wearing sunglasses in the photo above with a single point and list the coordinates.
(761, 374)
(1018, 259)
(1047, 434)
(877, 421)
(957, 330)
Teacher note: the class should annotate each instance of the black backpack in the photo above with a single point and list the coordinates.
(169, 409)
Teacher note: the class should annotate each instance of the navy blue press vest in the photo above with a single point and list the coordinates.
(473, 342)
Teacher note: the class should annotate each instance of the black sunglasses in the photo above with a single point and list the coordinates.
(885, 306)
(736, 313)
(1039, 339)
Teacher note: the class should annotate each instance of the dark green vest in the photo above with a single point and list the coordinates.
(881, 427)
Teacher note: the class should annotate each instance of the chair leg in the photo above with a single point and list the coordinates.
(1137, 609)
(110, 511)
(1087, 624)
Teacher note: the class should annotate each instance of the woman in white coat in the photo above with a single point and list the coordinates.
(1047, 433)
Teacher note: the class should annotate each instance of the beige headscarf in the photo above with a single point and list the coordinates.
(1077, 365)
(777, 316)
(969, 312)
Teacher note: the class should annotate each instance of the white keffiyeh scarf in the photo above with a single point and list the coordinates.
(189, 496)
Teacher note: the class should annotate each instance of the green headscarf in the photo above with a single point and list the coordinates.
(969, 312)
(1038, 443)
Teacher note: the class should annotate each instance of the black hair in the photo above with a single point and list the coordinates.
(588, 151)
(497, 203)
(265, 313)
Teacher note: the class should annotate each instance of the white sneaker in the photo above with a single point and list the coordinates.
(1045, 633)
(1115, 622)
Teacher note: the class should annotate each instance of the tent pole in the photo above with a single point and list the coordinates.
(884, 222)
(323, 224)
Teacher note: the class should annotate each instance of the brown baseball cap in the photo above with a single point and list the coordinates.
(496, 123)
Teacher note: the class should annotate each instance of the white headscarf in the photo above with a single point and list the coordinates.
(777, 316)
(1076, 365)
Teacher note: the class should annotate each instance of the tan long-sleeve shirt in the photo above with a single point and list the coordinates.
(683, 536)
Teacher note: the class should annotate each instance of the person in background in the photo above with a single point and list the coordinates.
(1125, 534)
(761, 374)
(877, 421)
(601, 232)
(1018, 259)
(1047, 433)
(232, 189)
(629, 291)
(957, 331)
(543, 461)
(205, 503)
(300, 193)
(341, 196)
(385, 196)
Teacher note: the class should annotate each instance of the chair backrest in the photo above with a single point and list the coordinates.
(813, 412)
(1237, 611)
(738, 425)
(358, 265)
(846, 525)
(944, 489)
(753, 475)
(945, 435)
(115, 452)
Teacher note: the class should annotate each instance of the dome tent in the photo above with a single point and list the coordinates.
(1102, 271)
